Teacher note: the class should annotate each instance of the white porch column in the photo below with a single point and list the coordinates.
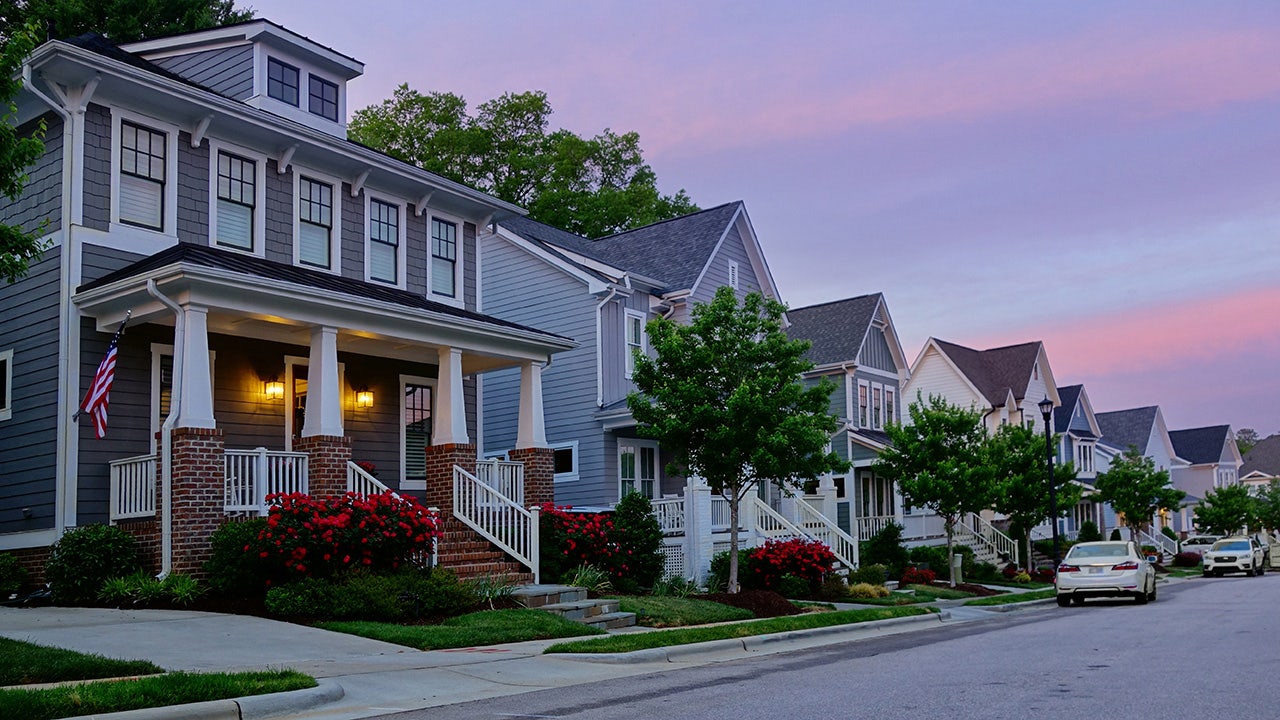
(698, 545)
(827, 490)
(196, 397)
(531, 430)
(449, 426)
(324, 395)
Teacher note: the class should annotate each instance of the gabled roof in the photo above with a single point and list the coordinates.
(1124, 428)
(997, 372)
(1200, 446)
(836, 329)
(1263, 457)
(1062, 414)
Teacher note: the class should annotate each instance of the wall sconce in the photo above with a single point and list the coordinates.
(273, 389)
(364, 397)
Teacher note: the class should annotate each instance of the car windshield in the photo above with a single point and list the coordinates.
(1083, 552)
(1235, 545)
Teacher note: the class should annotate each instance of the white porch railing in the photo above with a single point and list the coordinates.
(361, 482)
(497, 517)
(922, 527)
(869, 526)
(133, 487)
(505, 477)
(766, 521)
(670, 514)
(1167, 546)
(988, 543)
(819, 527)
(719, 513)
(252, 475)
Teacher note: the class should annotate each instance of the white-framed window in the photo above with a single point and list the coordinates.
(733, 274)
(565, 461)
(292, 86)
(6, 384)
(318, 221)
(283, 81)
(444, 257)
(384, 240)
(634, 335)
(890, 405)
(417, 399)
(237, 196)
(322, 97)
(864, 404)
(877, 409)
(162, 382)
(637, 467)
(144, 170)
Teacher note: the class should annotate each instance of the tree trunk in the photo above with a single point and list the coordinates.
(733, 544)
(951, 541)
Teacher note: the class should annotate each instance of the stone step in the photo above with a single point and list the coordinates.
(611, 621)
(581, 610)
(536, 596)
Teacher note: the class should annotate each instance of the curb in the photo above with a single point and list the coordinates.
(1014, 607)
(754, 643)
(251, 707)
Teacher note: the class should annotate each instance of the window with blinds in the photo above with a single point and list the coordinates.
(384, 241)
(444, 257)
(142, 175)
(417, 430)
(315, 222)
(237, 194)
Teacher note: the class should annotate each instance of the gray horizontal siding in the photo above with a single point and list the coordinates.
(28, 439)
(39, 208)
(228, 71)
(97, 167)
(417, 253)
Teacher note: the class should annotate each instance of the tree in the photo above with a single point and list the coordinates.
(1246, 438)
(940, 461)
(1136, 490)
(591, 186)
(1268, 506)
(1226, 510)
(120, 20)
(723, 395)
(1017, 455)
(18, 247)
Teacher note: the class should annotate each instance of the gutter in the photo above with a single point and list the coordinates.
(613, 292)
(166, 429)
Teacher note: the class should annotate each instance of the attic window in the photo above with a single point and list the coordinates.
(282, 82)
(733, 274)
(1035, 371)
(323, 98)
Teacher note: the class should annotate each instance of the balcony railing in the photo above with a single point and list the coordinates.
(503, 476)
(133, 487)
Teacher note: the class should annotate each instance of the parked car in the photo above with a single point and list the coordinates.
(1199, 544)
(1235, 554)
(1105, 569)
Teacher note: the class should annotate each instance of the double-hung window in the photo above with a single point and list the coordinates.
(863, 404)
(444, 257)
(634, 331)
(890, 406)
(237, 198)
(384, 242)
(315, 223)
(323, 98)
(282, 82)
(876, 414)
(142, 175)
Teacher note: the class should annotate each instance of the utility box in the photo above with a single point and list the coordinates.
(957, 563)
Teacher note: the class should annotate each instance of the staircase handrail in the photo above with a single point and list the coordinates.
(819, 527)
(361, 482)
(497, 518)
(997, 543)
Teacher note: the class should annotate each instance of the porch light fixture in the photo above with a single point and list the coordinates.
(364, 397)
(1046, 411)
(273, 389)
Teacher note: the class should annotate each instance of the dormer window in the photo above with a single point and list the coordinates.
(282, 82)
(323, 98)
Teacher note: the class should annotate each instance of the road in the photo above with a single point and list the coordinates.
(1206, 648)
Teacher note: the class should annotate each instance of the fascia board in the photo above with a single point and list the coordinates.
(594, 284)
(706, 265)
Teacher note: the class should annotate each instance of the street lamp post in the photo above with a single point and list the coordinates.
(1046, 411)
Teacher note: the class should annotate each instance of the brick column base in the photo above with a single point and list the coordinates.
(199, 487)
(326, 464)
(440, 462)
(539, 474)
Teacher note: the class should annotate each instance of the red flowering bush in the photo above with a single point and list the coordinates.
(314, 537)
(918, 576)
(569, 539)
(808, 560)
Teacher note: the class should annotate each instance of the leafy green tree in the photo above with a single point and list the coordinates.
(591, 186)
(1267, 508)
(1017, 454)
(18, 247)
(723, 394)
(1226, 510)
(120, 20)
(1136, 490)
(1246, 438)
(940, 461)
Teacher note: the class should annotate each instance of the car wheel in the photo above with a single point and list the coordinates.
(1152, 595)
(1249, 572)
(1077, 600)
(1064, 600)
(1140, 597)
(1206, 573)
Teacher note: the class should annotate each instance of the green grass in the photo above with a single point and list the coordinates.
(1033, 585)
(24, 663)
(1014, 598)
(173, 689)
(490, 627)
(686, 636)
(1184, 572)
(938, 593)
(667, 611)
(893, 599)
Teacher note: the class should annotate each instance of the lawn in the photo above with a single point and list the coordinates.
(24, 663)
(489, 627)
(1033, 585)
(686, 636)
(667, 611)
(1014, 598)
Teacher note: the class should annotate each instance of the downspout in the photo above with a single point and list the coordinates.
(166, 430)
(613, 292)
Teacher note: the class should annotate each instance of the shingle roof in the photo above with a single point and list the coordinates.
(1122, 428)
(269, 269)
(1069, 396)
(836, 329)
(98, 43)
(552, 239)
(1264, 456)
(1199, 446)
(997, 371)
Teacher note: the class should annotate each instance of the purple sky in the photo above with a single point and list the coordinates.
(1099, 176)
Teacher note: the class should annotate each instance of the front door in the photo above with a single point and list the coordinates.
(637, 467)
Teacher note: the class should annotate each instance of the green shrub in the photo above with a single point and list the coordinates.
(933, 557)
(143, 590)
(491, 589)
(982, 572)
(86, 557)
(592, 579)
(863, 591)
(871, 574)
(638, 562)
(407, 595)
(886, 548)
(1022, 578)
(1115, 534)
(568, 539)
(834, 587)
(232, 567)
(310, 598)
(718, 578)
(183, 589)
(790, 586)
(12, 575)
(674, 587)
(1089, 532)
(1169, 533)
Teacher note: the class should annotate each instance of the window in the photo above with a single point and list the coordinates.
(733, 275)
(237, 196)
(890, 406)
(444, 257)
(417, 429)
(143, 173)
(282, 82)
(315, 222)
(323, 98)
(6, 384)
(863, 394)
(384, 242)
(565, 461)
(637, 467)
(876, 409)
(635, 338)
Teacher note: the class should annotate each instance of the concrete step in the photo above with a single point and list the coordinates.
(582, 609)
(536, 596)
(611, 621)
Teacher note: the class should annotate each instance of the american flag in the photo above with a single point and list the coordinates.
(95, 401)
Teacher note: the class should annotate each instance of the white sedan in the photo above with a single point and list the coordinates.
(1105, 569)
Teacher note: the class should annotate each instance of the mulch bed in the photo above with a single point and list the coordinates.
(764, 603)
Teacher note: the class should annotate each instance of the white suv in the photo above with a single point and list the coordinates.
(1235, 554)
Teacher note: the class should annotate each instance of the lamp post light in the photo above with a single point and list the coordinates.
(1046, 411)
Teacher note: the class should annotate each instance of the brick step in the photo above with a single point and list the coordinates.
(513, 572)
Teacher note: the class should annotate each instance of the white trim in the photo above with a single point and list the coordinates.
(6, 381)
(300, 113)
(335, 233)
(405, 483)
(628, 315)
(25, 539)
(638, 443)
(169, 221)
(866, 370)
(402, 208)
(733, 274)
(459, 288)
(857, 420)
(258, 242)
(573, 475)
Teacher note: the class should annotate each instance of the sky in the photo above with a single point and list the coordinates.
(1099, 176)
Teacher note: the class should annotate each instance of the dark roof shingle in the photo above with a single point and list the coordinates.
(1068, 397)
(1124, 428)
(997, 371)
(1264, 457)
(1199, 446)
(836, 329)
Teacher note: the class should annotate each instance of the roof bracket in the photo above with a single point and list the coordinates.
(421, 207)
(358, 184)
(487, 221)
(286, 157)
(202, 127)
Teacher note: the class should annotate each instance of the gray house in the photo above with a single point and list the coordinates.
(602, 292)
(296, 302)
(1213, 462)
